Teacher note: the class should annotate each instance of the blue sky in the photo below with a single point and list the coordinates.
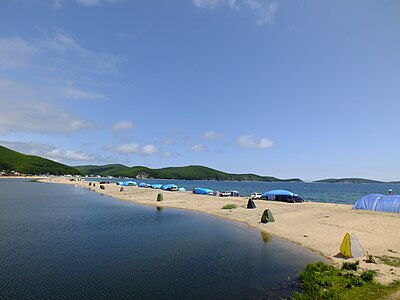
(307, 89)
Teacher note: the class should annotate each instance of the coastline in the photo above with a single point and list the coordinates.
(317, 226)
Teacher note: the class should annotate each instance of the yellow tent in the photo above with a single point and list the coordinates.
(351, 247)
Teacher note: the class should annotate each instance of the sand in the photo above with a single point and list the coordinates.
(316, 226)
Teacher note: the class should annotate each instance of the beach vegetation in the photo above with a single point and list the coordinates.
(351, 265)
(390, 260)
(229, 206)
(323, 281)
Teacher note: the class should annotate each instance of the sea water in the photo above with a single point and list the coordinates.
(65, 242)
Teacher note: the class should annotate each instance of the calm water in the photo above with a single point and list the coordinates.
(318, 192)
(62, 242)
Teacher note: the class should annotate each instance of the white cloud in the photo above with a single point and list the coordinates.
(198, 148)
(22, 111)
(122, 125)
(211, 135)
(135, 148)
(249, 141)
(129, 148)
(149, 149)
(15, 53)
(76, 93)
(48, 151)
(262, 10)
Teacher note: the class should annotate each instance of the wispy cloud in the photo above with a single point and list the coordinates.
(15, 52)
(67, 50)
(135, 148)
(212, 135)
(95, 2)
(75, 93)
(122, 125)
(263, 11)
(198, 148)
(249, 141)
(169, 154)
(22, 111)
(126, 35)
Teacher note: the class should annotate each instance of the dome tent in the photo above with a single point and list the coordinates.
(379, 202)
(351, 247)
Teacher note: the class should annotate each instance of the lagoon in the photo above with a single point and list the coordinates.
(66, 242)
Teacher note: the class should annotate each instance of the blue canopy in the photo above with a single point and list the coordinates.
(143, 184)
(281, 195)
(128, 183)
(202, 191)
(170, 187)
(379, 202)
(278, 192)
(156, 186)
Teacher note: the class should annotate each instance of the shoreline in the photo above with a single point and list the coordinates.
(319, 227)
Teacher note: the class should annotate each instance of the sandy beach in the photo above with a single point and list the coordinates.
(317, 226)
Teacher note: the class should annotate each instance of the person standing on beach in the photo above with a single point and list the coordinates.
(390, 191)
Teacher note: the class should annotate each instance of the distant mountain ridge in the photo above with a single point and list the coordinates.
(187, 172)
(11, 160)
(348, 180)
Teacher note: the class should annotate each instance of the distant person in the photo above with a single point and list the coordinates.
(390, 191)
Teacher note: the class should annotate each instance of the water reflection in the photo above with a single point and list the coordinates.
(266, 237)
(160, 208)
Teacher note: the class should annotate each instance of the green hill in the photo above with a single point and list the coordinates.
(28, 164)
(106, 170)
(348, 180)
(188, 172)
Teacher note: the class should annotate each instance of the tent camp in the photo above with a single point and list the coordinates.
(281, 195)
(351, 247)
(379, 202)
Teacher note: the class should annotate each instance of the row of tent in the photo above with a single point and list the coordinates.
(165, 187)
(206, 191)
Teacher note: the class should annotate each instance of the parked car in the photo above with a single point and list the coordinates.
(255, 195)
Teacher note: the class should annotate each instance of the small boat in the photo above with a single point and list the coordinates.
(169, 187)
(281, 195)
(203, 191)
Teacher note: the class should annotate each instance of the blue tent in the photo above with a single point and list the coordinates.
(202, 191)
(378, 202)
(127, 183)
(170, 187)
(156, 185)
(143, 184)
(281, 195)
